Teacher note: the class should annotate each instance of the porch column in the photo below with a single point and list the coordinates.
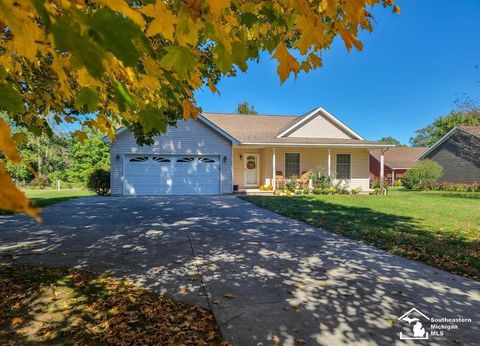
(393, 177)
(329, 162)
(274, 172)
(382, 170)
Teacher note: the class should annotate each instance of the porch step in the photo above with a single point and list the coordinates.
(256, 192)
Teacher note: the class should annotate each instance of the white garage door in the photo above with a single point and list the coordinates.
(171, 175)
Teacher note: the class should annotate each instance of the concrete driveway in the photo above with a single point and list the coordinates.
(266, 277)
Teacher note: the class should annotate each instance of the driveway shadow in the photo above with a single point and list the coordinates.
(266, 277)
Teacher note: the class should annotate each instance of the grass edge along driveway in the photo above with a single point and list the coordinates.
(45, 197)
(441, 229)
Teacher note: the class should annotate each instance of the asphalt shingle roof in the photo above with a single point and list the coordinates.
(400, 157)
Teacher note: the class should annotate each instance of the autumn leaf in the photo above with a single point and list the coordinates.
(229, 295)
(16, 320)
(286, 62)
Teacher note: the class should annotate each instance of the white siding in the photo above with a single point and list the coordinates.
(319, 127)
(188, 137)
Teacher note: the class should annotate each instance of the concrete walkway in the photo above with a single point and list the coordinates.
(266, 277)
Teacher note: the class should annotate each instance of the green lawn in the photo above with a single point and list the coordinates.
(438, 228)
(42, 198)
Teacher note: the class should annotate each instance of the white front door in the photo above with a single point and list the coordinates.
(251, 169)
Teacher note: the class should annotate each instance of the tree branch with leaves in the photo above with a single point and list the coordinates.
(136, 64)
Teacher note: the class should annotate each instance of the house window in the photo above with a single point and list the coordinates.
(139, 159)
(205, 160)
(292, 164)
(160, 159)
(186, 159)
(343, 166)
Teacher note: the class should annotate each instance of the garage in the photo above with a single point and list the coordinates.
(157, 174)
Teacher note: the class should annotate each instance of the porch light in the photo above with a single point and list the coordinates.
(117, 157)
(241, 157)
(224, 159)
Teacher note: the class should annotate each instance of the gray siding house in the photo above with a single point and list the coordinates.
(458, 152)
(218, 153)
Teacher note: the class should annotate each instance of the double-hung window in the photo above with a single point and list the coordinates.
(292, 165)
(343, 166)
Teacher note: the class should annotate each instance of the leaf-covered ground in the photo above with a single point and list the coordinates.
(67, 306)
(435, 227)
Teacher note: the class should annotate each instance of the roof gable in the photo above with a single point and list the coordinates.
(319, 124)
(471, 130)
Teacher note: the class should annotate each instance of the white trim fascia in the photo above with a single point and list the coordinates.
(329, 116)
(217, 129)
(440, 141)
(366, 146)
(312, 113)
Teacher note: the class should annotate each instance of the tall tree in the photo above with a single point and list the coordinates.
(138, 63)
(246, 108)
(442, 125)
(392, 140)
(87, 156)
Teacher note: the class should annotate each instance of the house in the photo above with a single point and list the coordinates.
(397, 161)
(219, 153)
(458, 152)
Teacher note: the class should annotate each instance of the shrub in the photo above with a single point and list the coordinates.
(99, 181)
(291, 184)
(397, 182)
(319, 179)
(341, 188)
(475, 187)
(41, 181)
(376, 184)
(422, 176)
(355, 191)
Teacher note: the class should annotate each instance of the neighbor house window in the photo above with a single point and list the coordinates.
(292, 164)
(343, 166)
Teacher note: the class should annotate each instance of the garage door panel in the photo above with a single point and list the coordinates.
(171, 175)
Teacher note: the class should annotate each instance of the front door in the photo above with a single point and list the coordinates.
(251, 169)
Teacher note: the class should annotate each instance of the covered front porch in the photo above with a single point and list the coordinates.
(254, 166)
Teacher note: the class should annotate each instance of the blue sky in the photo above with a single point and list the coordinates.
(411, 70)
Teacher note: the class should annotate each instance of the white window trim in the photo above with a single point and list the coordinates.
(285, 163)
(336, 166)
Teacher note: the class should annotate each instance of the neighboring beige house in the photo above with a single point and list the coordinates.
(219, 153)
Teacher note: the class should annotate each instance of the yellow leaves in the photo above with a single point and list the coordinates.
(349, 39)
(217, 6)
(8, 146)
(121, 6)
(190, 111)
(212, 86)
(163, 22)
(81, 135)
(187, 31)
(12, 199)
(396, 9)
(286, 62)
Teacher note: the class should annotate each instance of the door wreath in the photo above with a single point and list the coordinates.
(251, 164)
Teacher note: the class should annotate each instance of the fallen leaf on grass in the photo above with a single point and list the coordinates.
(300, 341)
(229, 295)
(275, 340)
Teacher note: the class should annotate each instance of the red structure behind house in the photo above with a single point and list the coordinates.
(396, 162)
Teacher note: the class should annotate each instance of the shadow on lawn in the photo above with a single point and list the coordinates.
(264, 276)
(399, 235)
